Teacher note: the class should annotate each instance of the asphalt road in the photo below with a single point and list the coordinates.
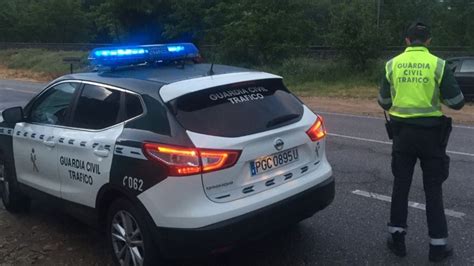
(352, 231)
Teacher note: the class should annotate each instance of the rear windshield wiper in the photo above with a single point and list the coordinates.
(281, 119)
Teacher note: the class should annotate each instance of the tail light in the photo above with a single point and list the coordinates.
(189, 161)
(180, 161)
(317, 131)
(213, 160)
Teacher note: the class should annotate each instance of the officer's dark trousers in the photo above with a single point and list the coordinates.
(409, 144)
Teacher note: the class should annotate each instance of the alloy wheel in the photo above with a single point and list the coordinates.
(127, 239)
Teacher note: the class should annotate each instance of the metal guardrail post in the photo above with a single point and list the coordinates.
(71, 61)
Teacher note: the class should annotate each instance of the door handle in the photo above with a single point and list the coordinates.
(101, 152)
(49, 143)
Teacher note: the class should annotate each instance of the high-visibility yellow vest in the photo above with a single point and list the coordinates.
(415, 77)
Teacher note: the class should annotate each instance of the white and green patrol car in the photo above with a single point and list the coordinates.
(171, 157)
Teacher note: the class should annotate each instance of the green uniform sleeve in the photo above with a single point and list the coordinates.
(451, 94)
(385, 98)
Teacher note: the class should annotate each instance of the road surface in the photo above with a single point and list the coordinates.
(350, 231)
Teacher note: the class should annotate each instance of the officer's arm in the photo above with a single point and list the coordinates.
(451, 94)
(385, 98)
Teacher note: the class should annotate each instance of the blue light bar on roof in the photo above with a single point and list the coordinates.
(119, 52)
(133, 55)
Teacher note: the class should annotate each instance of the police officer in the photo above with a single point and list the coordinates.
(415, 84)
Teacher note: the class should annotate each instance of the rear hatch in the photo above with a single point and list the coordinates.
(262, 120)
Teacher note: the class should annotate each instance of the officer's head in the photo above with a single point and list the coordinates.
(418, 34)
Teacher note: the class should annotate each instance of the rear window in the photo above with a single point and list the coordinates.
(238, 109)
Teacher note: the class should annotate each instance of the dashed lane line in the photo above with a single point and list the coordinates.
(390, 143)
(361, 139)
(412, 204)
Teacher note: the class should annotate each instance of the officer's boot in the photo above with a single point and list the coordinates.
(396, 244)
(439, 253)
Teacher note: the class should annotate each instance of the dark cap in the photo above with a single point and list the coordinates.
(418, 32)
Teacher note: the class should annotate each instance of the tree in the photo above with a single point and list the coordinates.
(241, 31)
(353, 30)
(187, 20)
(43, 21)
(140, 21)
(454, 26)
(8, 21)
(258, 31)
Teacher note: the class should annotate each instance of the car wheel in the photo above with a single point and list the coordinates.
(13, 199)
(129, 239)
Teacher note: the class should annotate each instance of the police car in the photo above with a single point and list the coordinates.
(172, 157)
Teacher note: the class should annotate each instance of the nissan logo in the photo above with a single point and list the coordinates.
(278, 143)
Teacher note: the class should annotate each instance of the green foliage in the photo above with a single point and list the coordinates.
(243, 32)
(42, 61)
(455, 25)
(187, 20)
(307, 70)
(307, 76)
(139, 21)
(258, 31)
(354, 30)
(43, 21)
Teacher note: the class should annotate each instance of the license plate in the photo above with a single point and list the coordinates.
(273, 161)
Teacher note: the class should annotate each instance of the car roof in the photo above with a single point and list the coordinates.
(146, 80)
(461, 58)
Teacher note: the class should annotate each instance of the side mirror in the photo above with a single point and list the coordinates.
(13, 115)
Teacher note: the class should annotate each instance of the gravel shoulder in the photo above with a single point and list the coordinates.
(47, 237)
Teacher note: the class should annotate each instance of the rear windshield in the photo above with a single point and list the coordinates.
(238, 109)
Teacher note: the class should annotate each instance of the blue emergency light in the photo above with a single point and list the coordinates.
(141, 54)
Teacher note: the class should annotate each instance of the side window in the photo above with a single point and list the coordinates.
(133, 106)
(97, 108)
(52, 107)
(467, 66)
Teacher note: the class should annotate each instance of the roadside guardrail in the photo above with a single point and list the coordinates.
(313, 50)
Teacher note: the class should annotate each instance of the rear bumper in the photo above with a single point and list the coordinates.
(182, 243)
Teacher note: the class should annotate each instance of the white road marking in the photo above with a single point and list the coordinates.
(412, 204)
(19, 90)
(361, 139)
(464, 127)
(349, 115)
(461, 153)
(390, 143)
(377, 118)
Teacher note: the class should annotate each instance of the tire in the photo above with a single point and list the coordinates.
(13, 199)
(129, 237)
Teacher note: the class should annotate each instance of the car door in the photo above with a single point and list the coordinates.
(35, 141)
(465, 77)
(85, 148)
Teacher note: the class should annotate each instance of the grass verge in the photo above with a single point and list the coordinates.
(37, 64)
(328, 78)
(304, 76)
